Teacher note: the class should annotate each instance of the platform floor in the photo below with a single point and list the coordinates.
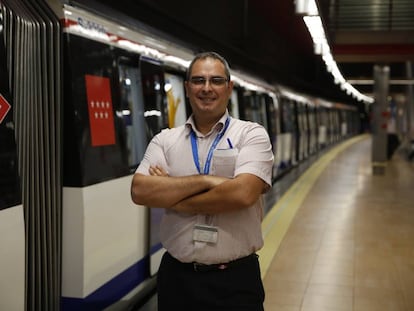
(341, 238)
(350, 246)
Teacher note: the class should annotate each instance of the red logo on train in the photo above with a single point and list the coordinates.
(4, 108)
(101, 116)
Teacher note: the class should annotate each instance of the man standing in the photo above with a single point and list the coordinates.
(209, 175)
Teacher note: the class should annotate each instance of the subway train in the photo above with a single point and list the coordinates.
(82, 94)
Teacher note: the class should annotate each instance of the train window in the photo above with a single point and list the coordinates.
(155, 102)
(97, 130)
(132, 110)
(288, 116)
(174, 90)
(255, 107)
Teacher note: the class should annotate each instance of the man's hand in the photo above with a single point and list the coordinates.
(157, 171)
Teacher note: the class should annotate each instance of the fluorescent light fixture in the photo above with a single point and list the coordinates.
(151, 113)
(321, 47)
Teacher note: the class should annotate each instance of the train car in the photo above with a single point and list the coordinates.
(89, 98)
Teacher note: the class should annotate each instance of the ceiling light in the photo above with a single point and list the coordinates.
(321, 47)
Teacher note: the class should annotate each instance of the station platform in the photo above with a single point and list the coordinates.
(350, 244)
(341, 238)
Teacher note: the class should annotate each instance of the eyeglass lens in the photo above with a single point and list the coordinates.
(218, 81)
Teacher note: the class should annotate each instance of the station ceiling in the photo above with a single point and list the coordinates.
(267, 38)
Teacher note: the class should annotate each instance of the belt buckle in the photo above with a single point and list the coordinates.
(199, 267)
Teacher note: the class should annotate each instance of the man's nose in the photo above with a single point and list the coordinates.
(207, 84)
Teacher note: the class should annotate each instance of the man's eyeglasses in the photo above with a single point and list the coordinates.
(215, 81)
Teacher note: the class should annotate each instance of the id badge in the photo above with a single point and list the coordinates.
(204, 233)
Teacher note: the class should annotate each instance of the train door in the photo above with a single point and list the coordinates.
(156, 116)
(179, 110)
(164, 98)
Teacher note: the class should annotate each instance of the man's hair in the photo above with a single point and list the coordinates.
(213, 55)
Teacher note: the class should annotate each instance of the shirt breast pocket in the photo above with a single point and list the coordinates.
(224, 162)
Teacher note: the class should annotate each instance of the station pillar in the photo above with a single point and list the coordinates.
(379, 119)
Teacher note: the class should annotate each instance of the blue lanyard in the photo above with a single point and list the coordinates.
(210, 152)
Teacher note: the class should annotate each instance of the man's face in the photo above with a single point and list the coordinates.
(208, 88)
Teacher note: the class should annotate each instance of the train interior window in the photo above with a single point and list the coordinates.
(155, 102)
(132, 110)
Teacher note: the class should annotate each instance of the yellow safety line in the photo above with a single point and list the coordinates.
(277, 221)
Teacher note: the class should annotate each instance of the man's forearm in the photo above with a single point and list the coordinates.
(238, 193)
(163, 191)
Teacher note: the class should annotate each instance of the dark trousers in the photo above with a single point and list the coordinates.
(237, 288)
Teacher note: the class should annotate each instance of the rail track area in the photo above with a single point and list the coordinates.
(339, 235)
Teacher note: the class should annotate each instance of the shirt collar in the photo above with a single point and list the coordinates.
(190, 125)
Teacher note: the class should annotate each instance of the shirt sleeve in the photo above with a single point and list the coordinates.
(154, 155)
(255, 154)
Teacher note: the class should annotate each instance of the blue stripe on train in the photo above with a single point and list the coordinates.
(110, 292)
(155, 248)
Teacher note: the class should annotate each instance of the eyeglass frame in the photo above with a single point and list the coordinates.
(215, 81)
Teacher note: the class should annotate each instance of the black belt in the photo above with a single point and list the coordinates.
(199, 267)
